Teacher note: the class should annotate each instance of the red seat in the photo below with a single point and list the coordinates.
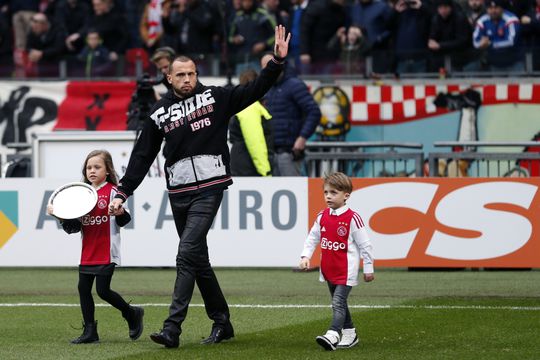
(136, 55)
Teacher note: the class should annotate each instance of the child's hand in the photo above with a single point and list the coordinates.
(50, 209)
(304, 263)
(369, 277)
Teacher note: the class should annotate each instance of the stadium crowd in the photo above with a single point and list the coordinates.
(328, 36)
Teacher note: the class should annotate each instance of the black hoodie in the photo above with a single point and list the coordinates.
(195, 131)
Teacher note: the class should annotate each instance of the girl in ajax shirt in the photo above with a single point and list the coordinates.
(100, 253)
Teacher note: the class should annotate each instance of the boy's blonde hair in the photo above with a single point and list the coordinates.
(339, 181)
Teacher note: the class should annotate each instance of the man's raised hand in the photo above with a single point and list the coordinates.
(281, 47)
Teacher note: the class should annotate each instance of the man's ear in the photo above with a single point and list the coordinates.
(169, 78)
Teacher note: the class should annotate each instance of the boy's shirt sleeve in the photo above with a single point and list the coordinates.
(361, 238)
(313, 239)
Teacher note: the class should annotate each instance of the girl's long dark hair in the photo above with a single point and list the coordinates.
(112, 177)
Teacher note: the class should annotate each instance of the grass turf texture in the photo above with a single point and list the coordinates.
(430, 315)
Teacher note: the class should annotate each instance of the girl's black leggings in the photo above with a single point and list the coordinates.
(103, 289)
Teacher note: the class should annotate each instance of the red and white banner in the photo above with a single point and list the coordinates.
(390, 104)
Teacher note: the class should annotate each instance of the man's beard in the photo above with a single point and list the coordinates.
(183, 93)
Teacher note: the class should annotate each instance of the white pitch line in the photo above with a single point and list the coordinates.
(307, 306)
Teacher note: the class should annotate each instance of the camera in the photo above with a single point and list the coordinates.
(142, 100)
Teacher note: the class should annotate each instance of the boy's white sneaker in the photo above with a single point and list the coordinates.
(348, 339)
(329, 340)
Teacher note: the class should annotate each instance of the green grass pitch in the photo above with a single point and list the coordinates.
(277, 313)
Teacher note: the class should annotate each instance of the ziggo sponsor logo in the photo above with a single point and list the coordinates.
(332, 245)
(94, 220)
(466, 219)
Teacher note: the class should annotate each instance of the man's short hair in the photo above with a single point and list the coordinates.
(182, 58)
(163, 52)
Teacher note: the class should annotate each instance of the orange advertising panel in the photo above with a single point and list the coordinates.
(443, 222)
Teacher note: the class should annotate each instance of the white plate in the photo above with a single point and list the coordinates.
(73, 200)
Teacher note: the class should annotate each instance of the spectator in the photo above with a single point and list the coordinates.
(450, 36)
(48, 7)
(374, 17)
(519, 7)
(295, 115)
(45, 45)
(530, 29)
(231, 8)
(22, 12)
(473, 10)
(73, 16)
(279, 17)
(95, 57)
(295, 21)
(498, 32)
(251, 34)
(320, 23)
(111, 24)
(6, 47)
(251, 136)
(354, 48)
(193, 25)
(150, 27)
(411, 22)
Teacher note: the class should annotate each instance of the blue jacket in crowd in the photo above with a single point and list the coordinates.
(374, 17)
(293, 109)
(504, 49)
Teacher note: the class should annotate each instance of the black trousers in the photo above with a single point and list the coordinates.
(193, 216)
(103, 289)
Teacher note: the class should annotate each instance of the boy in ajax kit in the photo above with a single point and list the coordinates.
(100, 248)
(343, 239)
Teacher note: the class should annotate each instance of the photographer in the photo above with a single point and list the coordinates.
(162, 58)
(145, 96)
(142, 101)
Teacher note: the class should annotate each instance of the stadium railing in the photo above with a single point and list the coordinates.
(135, 62)
(363, 159)
(485, 159)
